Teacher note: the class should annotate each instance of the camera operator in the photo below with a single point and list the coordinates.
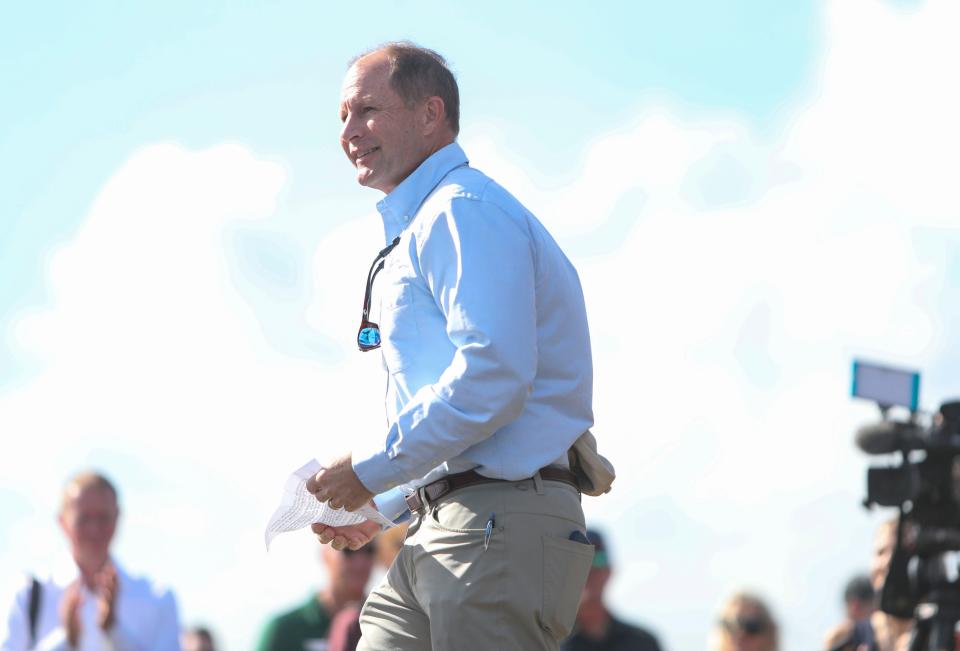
(881, 632)
(915, 566)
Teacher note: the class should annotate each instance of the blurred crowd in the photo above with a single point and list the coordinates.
(89, 602)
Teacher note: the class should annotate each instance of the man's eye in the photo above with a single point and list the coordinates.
(367, 109)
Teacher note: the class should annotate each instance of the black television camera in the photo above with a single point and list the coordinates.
(923, 580)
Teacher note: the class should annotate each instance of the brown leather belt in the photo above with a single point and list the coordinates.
(442, 487)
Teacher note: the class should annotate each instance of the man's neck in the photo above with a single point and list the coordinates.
(89, 568)
(332, 600)
(428, 151)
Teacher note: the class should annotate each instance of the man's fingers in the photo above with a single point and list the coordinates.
(324, 534)
(73, 596)
(364, 537)
(350, 537)
(322, 495)
(313, 484)
(356, 543)
(107, 581)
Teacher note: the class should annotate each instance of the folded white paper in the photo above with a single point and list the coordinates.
(299, 508)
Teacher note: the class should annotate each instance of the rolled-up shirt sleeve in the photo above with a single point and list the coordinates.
(478, 263)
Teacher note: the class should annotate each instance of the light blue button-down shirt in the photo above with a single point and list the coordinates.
(485, 336)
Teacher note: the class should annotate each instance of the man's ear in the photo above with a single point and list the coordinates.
(433, 115)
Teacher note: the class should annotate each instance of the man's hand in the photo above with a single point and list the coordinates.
(107, 586)
(70, 612)
(353, 536)
(338, 485)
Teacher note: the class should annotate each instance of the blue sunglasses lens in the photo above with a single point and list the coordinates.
(369, 337)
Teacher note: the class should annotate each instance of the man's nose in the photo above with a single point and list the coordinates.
(350, 130)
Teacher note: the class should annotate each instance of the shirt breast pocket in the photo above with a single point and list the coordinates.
(396, 294)
(398, 323)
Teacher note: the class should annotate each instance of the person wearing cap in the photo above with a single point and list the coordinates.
(859, 601)
(483, 331)
(597, 629)
(859, 598)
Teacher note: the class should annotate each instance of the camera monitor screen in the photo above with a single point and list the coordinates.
(886, 386)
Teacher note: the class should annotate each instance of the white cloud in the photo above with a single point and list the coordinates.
(824, 240)
(155, 369)
(723, 323)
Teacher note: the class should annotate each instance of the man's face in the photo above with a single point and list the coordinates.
(749, 630)
(591, 598)
(858, 610)
(194, 641)
(884, 544)
(380, 132)
(89, 520)
(349, 571)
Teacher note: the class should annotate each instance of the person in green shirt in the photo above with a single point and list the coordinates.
(597, 629)
(306, 627)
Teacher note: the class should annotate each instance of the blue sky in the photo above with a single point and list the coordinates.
(90, 84)
(760, 190)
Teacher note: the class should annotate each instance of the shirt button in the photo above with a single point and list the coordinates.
(406, 218)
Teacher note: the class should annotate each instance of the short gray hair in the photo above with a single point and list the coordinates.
(417, 73)
(84, 480)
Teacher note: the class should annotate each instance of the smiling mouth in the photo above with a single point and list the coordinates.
(360, 156)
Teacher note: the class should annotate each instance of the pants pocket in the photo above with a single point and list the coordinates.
(566, 564)
(457, 518)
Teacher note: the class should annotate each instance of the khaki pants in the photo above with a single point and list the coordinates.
(446, 592)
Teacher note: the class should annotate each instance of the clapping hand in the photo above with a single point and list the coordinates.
(70, 612)
(107, 588)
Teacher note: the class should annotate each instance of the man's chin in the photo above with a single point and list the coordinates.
(365, 177)
(368, 179)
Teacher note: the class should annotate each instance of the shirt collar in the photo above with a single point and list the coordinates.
(400, 206)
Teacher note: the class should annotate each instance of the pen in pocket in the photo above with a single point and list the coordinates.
(487, 532)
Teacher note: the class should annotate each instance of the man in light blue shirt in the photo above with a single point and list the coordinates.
(484, 336)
